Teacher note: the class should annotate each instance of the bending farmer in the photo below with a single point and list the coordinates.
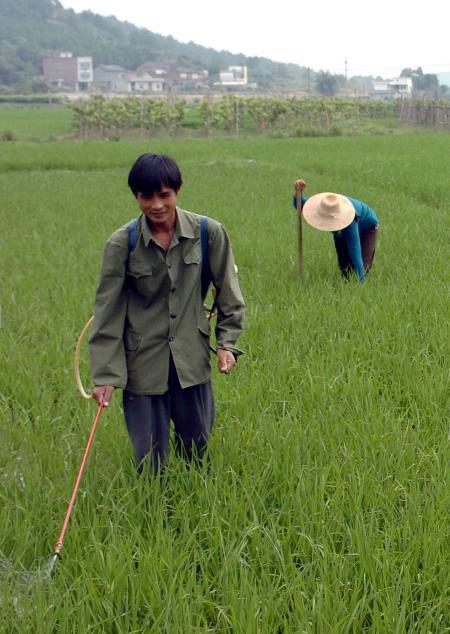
(150, 333)
(354, 226)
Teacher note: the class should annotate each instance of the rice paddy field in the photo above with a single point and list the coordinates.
(323, 505)
(34, 122)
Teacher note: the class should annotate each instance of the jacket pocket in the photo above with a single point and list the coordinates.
(193, 256)
(140, 279)
(132, 340)
(139, 270)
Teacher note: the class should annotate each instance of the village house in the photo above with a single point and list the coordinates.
(116, 79)
(143, 82)
(153, 69)
(233, 76)
(148, 77)
(402, 86)
(111, 78)
(186, 80)
(67, 72)
(181, 75)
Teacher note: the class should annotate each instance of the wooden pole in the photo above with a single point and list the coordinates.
(299, 235)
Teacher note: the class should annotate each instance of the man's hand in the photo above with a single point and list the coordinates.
(299, 185)
(225, 360)
(103, 394)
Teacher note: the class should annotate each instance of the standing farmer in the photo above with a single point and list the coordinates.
(354, 226)
(150, 333)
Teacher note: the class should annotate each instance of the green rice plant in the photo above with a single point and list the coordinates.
(323, 505)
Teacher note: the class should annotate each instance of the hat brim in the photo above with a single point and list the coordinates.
(313, 216)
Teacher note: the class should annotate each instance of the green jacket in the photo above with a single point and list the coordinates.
(148, 305)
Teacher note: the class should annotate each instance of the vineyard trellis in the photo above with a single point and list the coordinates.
(232, 114)
(425, 112)
(111, 117)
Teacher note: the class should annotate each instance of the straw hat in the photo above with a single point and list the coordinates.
(328, 211)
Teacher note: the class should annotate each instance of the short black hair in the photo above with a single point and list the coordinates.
(151, 172)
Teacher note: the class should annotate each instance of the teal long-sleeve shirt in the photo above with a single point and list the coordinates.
(365, 220)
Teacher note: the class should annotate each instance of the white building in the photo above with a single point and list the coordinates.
(391, 87)
(234, 76)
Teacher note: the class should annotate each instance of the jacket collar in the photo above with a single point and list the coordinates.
(183, 227)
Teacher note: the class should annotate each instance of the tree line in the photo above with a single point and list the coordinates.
(33, 29)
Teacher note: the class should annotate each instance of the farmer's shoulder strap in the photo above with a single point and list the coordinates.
(206, 273)
(132, 234)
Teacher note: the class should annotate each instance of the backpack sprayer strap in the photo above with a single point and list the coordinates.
(132, 234)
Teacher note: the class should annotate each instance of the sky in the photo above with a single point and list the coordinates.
(339, 36)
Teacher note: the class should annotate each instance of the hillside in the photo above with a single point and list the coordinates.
(32, 29)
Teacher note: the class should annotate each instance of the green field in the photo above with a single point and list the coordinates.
(34, 123)
(324, 504)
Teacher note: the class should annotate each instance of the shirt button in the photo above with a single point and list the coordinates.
(172, 290)
(172, 315)
(170, 338)
(169, 265)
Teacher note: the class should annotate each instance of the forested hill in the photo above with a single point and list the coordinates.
(32, 29)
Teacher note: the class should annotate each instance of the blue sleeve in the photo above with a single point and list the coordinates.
(353, 243)
(294, 201)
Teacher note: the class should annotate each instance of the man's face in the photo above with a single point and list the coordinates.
(159, 208)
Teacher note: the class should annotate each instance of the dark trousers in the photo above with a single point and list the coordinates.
(368, 243)
(148, 421)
